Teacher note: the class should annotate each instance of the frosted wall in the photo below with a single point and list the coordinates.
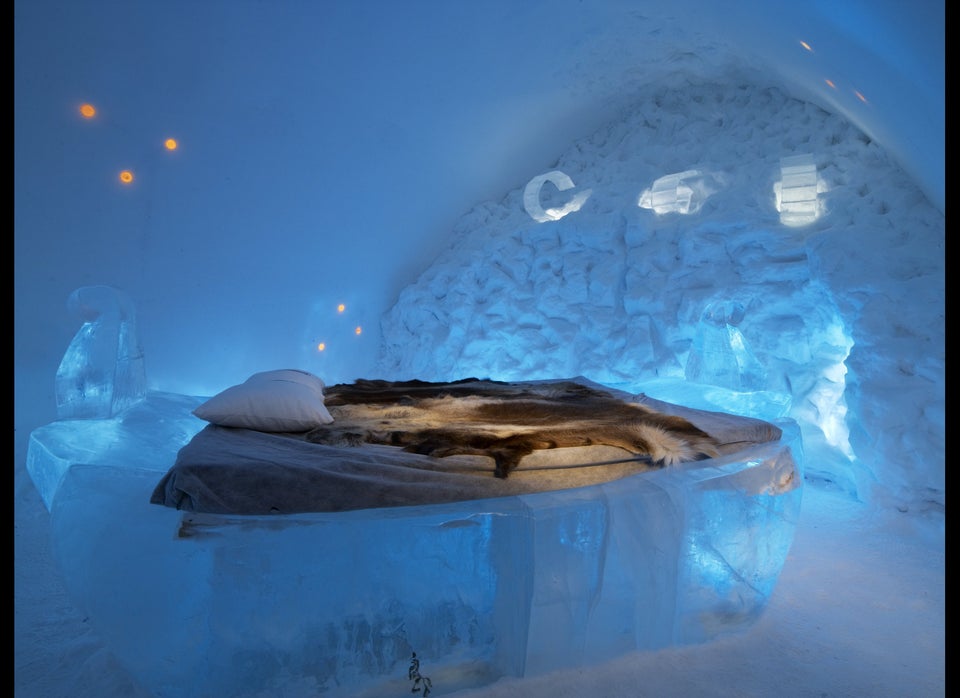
(625, 296)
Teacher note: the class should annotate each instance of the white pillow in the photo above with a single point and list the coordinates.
(284, 400)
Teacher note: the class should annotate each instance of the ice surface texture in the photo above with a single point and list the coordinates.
(616, 292)
(102, 372)
(335, 604)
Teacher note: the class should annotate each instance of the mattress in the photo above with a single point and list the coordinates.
(228, 470)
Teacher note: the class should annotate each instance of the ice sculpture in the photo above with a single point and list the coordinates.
(531, 197)
(302, 605)
(720, 354)
(796, 191)
(682, 192)
(102, 372)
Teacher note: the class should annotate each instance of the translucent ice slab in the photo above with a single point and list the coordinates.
(102, 372)
(144, 436)
(337, 604)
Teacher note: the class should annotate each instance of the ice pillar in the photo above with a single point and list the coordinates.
(720, 354)
(102, 372)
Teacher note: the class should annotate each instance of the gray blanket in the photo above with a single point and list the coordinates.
(226, 470)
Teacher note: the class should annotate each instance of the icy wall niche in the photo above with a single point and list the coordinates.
(616, 292)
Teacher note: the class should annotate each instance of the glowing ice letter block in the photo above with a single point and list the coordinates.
(531, 197)
(670, 193)
(797, 195)
(681, 192)
(102, 372)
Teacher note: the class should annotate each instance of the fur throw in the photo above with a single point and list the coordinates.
(505, 421)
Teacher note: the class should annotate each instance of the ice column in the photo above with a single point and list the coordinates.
(102, 372)
(720, 354)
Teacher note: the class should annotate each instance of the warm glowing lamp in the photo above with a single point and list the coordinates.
(170, 144)
(341, 308)
(126, 176)
(358, 330)
(321, 346)
(87, 111)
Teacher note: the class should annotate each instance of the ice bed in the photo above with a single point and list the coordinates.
(578, 555)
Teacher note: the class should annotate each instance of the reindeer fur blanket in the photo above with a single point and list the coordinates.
(505, 421)
(413, 443)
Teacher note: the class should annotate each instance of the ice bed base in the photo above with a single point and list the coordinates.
(335, 604)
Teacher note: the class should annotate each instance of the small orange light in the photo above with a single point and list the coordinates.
(321, 346)
(358, 330)
(860, 96)
(87, 111)
(830, 83)
(806, 46)
(341, 308)
(170, 144)
(126, 176)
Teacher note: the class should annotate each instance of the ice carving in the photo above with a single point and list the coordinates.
(720, 354)
(682, 192)
(796, 191)
(531, 197)
(102, 372)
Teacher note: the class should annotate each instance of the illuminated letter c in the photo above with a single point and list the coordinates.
(531, 197)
